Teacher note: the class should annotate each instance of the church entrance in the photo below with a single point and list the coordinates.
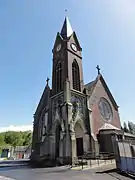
(57, 142)
(79, 146)
(79, 136)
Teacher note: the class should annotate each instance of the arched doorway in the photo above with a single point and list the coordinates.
(79, 135)
(57, 140)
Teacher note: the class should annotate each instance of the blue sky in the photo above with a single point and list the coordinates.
(106, 30)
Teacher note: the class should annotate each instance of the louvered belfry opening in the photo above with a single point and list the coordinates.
(58, 77)
(76, 76)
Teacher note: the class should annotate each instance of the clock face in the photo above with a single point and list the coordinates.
(58, 48)
(74, 48)
(105, 109)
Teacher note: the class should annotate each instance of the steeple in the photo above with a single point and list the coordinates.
(66, 30)
(67, 60)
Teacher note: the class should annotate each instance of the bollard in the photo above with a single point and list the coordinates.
(90, 162)
(82, 162)
(98, 162)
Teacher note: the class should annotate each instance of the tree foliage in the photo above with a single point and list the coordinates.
(2, 142)
(27, 138)
(14, 139)
(125, 127)
(130, 128)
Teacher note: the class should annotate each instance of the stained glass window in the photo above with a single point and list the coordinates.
(105, 109)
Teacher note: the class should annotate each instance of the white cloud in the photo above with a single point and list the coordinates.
(16, 128)
(124, 8)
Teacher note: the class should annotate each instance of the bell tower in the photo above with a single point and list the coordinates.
(67, 60)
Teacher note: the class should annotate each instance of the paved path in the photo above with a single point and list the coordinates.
(60, 173)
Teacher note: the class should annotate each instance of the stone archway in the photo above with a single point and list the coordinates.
(79, 136)
(57, 140)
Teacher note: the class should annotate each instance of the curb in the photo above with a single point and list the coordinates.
(13, 165)
(129, 174)
(47, 170)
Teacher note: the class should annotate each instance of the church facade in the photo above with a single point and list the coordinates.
(73, 118)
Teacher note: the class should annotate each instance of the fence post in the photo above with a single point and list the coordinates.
(71, 163)
(125, 156)
(90, 162)
(98, 161)
(82, 162)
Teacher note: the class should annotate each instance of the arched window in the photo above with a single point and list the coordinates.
(57, 138)
(76, 76)
(105, 109)
(58, 77)
(44, 126)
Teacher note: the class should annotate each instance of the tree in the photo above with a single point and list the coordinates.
(2, 142)
(12, 138)
(125, 127)
(130, 127)
(28, 139)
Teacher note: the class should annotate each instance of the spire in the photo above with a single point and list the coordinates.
(66, 30)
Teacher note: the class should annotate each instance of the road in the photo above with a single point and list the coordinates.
(59, 173)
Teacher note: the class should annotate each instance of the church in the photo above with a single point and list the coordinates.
(73, 118)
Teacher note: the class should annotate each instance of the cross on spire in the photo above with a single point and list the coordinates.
(65, 11)
(47, 81)
(98, 69)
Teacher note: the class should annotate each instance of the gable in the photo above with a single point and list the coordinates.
(76, 40)
(73, 40)
(109, 93)
(58, 40)
(100, 80)
(99, 93)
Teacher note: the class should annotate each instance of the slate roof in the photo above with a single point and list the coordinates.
(129, 134)
(108, 126)
(20, 148)
(66, 30)
(44, 98)
(90, 86)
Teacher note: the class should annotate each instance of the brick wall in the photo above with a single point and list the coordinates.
(97, 119)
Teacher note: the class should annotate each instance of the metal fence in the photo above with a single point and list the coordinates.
(91, 159)
(125, 156)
